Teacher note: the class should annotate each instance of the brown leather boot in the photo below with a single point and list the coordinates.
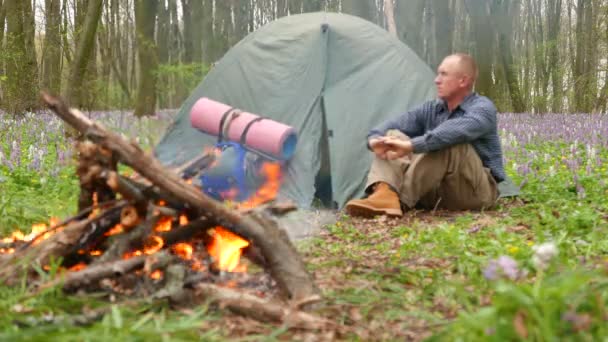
(383, 201)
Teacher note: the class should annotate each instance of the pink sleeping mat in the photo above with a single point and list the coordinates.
(253, 131)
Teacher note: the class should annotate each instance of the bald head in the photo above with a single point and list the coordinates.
(456, 77)
(465, 64)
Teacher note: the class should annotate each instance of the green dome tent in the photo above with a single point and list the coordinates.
(332, 77)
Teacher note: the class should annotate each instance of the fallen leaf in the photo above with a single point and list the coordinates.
(517, 229)
(520, 325)
(18, 308)
(355, 314)
(583, 323)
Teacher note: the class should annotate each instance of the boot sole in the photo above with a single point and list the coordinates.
(370, 212)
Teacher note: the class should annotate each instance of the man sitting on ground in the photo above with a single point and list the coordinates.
(444, 154)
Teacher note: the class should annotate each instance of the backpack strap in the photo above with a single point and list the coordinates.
(249, 124)
(231, 113)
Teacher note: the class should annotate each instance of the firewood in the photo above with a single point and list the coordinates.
(120, 244)
(129, 217)
(187, 231)
(56, 246)
(61, 244)
(94, 273)
(284, 262)
(260, 309)
(80, 216)
(100, 224)
(92, 160)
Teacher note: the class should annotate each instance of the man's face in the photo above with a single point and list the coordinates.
(450, 80)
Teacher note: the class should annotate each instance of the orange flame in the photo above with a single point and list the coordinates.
(269, 190)
(156, 275)
(226, 249)
(183, 220)
(153, 244)
(183, 250)
(79, 266)
(39, 231)
(96, 209)
(163, 225)
(132, 254)
(117, 229)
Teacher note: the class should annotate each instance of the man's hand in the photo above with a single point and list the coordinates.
(397, 148)
(379, 147)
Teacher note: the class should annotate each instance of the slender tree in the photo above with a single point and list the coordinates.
(21, 69)
(84, 51)
(51, 61)
(145, 19)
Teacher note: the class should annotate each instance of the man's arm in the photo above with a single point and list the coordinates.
(477, 121)
(409, 123)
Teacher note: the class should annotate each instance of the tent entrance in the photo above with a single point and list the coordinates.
(323, 187)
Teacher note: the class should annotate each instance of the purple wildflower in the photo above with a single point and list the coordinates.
(503, 266)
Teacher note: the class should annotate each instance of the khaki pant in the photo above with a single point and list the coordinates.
(453, 178)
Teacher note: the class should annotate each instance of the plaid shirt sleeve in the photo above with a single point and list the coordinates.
(477, 120)
(410, 123)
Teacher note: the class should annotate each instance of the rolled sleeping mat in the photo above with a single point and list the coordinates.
(253, 131)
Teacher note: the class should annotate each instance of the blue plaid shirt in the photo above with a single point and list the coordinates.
(432, 127)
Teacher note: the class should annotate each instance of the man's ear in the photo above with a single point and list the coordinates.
(465, 81)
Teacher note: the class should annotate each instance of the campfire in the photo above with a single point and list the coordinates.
(156, 235)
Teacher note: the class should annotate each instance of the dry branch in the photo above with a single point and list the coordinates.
(260, 309)
(284, 262)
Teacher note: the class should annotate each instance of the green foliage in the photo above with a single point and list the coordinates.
(176, 81)
(385, 280)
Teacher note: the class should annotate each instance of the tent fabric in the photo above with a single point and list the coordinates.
(331, 76)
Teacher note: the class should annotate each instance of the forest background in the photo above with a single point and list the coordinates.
(534, 55)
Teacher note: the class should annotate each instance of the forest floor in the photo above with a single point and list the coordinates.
(534, 267)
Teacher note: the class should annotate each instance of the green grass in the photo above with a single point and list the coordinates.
(413, 278)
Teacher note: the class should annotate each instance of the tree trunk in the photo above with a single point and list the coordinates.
(84, 51)
(281, 8)
(504, 16)
(197, 30)
(443, 24)
(365, 9)
(21, 69)
(554, 16)
(315, 5)
(207, 32)
(483, 34)
(2, 21)
(579, 67)
(145, 19)
(408, 15)
(187, 24)
(51, 65)
(241, 13)
(389, 13)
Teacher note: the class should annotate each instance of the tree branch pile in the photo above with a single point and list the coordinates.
(149, 236)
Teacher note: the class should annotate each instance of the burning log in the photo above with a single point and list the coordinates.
(120, 244)
(97, 272)
(284, 262)
(56, 246)
(61, 243)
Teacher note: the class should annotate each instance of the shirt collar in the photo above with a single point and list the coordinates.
(464, 105)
